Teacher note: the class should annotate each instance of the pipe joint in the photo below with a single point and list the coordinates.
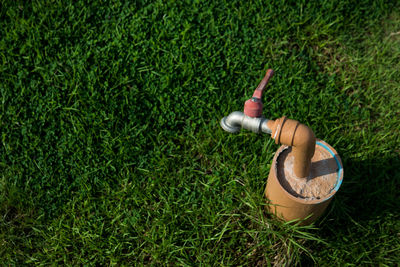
(237, 120)
(302, 140)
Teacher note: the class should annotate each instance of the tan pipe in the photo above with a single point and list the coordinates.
(300, 137)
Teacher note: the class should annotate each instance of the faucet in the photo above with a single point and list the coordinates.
(300, 185)
(283, 130)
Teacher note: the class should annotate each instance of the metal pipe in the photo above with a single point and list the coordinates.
(237, 120)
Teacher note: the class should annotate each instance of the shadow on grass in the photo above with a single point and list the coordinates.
(369, 190)
(362, 222)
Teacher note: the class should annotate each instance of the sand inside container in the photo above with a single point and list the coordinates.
(322, 178)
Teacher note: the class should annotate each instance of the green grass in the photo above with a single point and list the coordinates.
(111, 150)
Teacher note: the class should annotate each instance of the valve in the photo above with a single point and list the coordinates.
(253, 107)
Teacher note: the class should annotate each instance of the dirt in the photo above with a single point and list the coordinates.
(320, 182)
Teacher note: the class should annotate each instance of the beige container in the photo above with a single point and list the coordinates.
(289, 207)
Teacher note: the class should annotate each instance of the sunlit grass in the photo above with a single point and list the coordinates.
(111, 149)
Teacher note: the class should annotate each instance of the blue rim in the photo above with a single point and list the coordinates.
(339, 181)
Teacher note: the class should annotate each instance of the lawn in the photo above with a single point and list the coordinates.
(111, 150)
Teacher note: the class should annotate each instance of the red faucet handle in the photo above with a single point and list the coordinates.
(254, 106)
(260, 88)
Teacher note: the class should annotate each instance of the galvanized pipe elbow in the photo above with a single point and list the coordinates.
(237, 120)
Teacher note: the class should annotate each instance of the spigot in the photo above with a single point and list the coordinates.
(251, 119)
(283, 130)
(291, 189)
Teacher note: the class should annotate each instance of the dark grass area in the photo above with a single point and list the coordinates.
(111, 149)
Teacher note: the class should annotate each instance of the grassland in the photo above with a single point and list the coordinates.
(111, 150)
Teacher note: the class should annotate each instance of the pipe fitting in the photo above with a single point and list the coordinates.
(302, 140)
(237, 120)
